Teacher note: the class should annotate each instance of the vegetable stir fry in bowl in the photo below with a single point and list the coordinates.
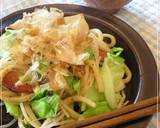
(55, 69)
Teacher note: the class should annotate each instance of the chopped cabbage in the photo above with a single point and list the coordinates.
(44, 105)
(12, 109)
(101, 107)
(74, 83)
(112, 73)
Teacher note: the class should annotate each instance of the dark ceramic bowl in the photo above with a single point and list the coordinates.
(136, 53)
(111, 6)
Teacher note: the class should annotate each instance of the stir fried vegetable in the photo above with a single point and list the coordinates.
(101, 107)
(94, 95)
(91, 53)
(8, 39)
(10, 80)
(44, 105)
(74, 83)
(112, 73)
(12, 109)
(35, 73)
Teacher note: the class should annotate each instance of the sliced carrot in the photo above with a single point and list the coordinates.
(11, 78)
(102, 53)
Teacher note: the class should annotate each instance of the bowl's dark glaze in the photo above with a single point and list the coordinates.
(136, 53)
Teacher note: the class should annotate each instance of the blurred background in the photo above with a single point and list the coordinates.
(142, 15)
